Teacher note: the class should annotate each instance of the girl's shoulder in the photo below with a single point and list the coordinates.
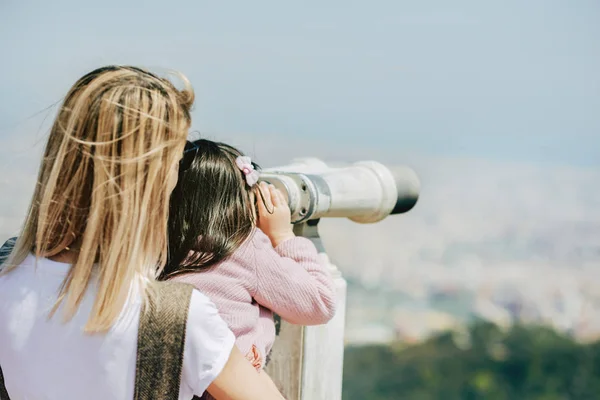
(255, 247)
(245, 255)
(260, 238)
(257, 240)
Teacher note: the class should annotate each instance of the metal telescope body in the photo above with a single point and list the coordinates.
(364, 192)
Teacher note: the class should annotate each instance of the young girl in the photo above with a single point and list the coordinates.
(231, 237)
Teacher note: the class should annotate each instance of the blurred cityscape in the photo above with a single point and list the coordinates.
(494, 241)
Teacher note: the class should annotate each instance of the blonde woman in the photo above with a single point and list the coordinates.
(92, 244)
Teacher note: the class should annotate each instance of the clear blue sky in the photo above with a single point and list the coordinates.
(512, 79)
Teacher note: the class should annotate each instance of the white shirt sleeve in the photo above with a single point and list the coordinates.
(208, 344)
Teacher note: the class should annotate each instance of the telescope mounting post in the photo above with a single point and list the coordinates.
(306, 363)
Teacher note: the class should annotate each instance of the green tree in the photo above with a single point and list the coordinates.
(527, 362)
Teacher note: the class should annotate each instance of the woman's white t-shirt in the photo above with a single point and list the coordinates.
(44, 358)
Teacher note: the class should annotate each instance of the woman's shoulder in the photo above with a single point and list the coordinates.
(199, 300)
(208, 343)
(205, 327)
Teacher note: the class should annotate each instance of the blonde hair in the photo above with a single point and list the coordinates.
(104, 186)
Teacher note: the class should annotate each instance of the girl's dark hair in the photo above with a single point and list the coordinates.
(211, 210)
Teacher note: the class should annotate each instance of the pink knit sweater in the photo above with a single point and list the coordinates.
(257, 280)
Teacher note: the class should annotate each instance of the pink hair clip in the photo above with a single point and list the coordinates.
(244, 163)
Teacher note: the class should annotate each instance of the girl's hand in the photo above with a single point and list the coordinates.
(274, 216)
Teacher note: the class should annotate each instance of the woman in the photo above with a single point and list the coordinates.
(92, 244)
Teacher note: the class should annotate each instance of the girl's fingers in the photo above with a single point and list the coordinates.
(267, 191)
(264, 201)
(282, 199)
(274, 192)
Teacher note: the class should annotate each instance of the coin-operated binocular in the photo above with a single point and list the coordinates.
(364, 192)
